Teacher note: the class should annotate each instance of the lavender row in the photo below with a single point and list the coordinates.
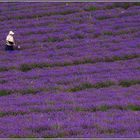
(89, 100)
(70, 57)
(66, 7)
(112, 123)
(73, 70)
(77, 69)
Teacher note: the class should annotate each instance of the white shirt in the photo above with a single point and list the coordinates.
(9, 38)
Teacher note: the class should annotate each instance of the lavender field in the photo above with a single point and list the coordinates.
(77, 74)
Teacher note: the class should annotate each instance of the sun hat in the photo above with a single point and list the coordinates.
(11, 33)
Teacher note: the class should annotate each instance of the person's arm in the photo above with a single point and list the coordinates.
(14, 42)
(7, 39)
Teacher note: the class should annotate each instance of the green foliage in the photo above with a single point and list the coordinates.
(54, 39)
(79, 109)
(3, 69)
(133, 107)
(126, 56)
(39, 65)
(104, 84)
(41, 128)
(56, 126)
(109, 7)
(85, 60)
(115, 57)
(130, 56)
(127, 83)
(59, 134)
(90, 60)
(81, 87)
(91, 8)
(4, 92)
(87, 85)
(15, 136)
(107, 32)
(109, 130)
(125, 5)
(126, 31)
(25, 67)
(68, 11)
(2, 114)
(60, 64)
(103, 107)
(102, 17)
(19, 17)
(29, 91)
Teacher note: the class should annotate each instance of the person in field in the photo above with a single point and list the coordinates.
(10, 42)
